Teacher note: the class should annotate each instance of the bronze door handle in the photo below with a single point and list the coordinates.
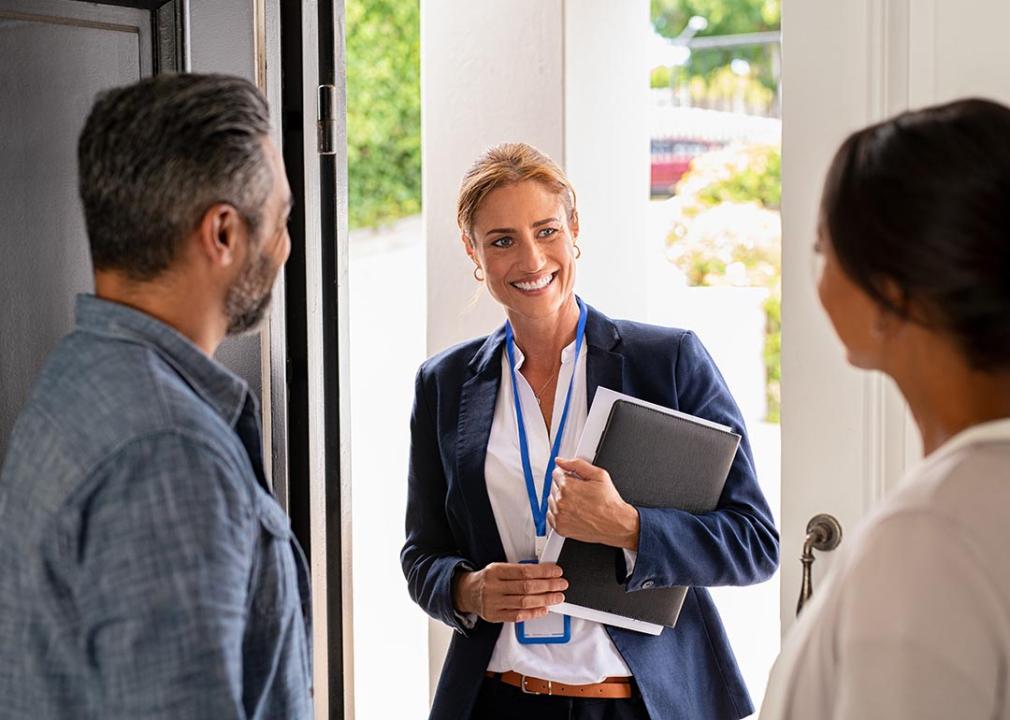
(824, 533)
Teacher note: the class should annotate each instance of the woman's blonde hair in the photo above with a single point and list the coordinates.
(507, 164)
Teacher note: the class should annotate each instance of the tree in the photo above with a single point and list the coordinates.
(383, 110)
(725, 17)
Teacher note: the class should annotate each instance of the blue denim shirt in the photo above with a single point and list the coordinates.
(145, 569)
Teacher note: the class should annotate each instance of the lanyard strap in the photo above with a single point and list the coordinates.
(539, 509)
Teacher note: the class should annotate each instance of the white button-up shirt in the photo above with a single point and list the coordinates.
(913, 620)
(590, 655)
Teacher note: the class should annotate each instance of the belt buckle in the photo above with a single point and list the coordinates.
(522, 686)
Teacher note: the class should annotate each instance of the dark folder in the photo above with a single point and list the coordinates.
(655, 460)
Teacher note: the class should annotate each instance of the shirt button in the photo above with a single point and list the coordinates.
(648, 584)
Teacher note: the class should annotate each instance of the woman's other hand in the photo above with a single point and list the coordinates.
(509, 592)
(584, 505)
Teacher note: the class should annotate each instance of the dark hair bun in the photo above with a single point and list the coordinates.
(922, 202)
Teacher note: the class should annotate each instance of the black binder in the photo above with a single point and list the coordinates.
(655, 459)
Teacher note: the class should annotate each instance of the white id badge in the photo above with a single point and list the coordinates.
(547, 630)
(552, 629)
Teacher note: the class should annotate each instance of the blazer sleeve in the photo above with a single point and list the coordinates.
(737, 543)
(430, 557)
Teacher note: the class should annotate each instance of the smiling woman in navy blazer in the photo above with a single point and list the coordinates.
(489, 417)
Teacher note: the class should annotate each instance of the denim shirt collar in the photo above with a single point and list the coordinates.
(221, 389)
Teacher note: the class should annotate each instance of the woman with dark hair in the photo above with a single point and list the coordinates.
(914, 619)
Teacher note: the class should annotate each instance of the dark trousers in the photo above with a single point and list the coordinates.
(500, 701)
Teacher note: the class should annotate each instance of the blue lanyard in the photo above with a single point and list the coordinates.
(539, 510)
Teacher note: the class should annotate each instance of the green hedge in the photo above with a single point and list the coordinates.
(383, 110)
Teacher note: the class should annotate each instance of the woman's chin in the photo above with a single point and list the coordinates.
(538, 304)
(861, 360)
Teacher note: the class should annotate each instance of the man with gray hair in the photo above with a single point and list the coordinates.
(146, 571)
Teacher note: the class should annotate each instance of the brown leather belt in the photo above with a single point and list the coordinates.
(612, 688)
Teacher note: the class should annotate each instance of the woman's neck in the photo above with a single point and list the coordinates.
(947, 396)
(542, 339)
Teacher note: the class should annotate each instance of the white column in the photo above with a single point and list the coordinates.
(491, 72)
(567, 77)
(607, 148)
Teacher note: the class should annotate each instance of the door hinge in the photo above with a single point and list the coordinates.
(326, 120)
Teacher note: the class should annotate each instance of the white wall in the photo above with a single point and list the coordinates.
(970, 52)
(491, 72)
(561, 75)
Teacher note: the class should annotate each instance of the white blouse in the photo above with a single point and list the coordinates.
(913, 620)
(590, 655)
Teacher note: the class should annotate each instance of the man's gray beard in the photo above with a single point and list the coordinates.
(248, 299)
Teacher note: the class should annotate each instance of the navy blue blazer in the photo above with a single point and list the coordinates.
(685, 672)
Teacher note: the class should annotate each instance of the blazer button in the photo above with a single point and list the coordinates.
(648, 584)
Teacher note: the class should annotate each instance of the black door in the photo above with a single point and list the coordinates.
(55, 56)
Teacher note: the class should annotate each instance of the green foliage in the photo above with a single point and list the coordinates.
(725, 17)
(759, 180)
(723, 89)
(383, 110)
(659, 77)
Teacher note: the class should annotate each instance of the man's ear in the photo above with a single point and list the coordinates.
(220, 235)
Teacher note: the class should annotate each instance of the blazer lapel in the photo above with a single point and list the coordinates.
(604, 366)
(476, 414)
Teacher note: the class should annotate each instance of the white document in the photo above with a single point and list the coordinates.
(606, 618)
(596, 423)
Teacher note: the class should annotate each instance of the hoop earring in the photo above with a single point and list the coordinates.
(478, 278)
(578, 251)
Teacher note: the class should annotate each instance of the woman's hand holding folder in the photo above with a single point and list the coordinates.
(584, 505)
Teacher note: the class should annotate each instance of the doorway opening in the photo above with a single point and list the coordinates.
(387, 288)
(715, 236)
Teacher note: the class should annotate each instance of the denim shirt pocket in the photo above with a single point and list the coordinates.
(282, 582)
(275, 581)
